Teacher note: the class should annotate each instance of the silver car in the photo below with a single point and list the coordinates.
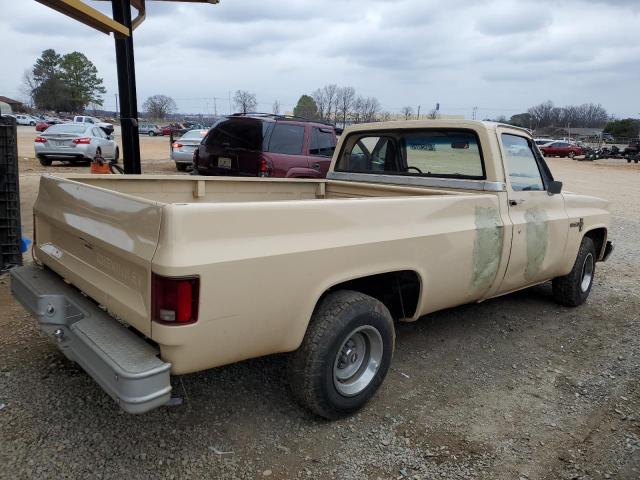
(76, 142)
(182, 149)
(150, 129)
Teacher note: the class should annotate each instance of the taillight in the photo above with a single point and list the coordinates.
(40, 140)
(263, 167)
(176, 145)
(81, 141)
(174, 301)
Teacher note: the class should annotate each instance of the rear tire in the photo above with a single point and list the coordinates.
(152, 134)
(116, 155)
(344, 356)
(44, 161)
(182, 167)
(574, 288)
(572, 154)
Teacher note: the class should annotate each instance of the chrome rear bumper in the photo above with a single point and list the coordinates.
(125, 366)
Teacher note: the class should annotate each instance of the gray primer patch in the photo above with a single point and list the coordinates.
(537, 241)
(487, 248)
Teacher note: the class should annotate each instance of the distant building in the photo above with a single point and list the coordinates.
(14, 105)
(5, 109)
(578, 133)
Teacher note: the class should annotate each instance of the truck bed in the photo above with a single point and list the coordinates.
(280, 243)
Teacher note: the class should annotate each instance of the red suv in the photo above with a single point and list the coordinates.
(561, 149)
(265, 145)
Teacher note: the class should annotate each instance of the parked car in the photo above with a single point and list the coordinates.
(150, 129)
(182, 274)
(543, 141)
(633, 148)
(22, 119)
(75, 142)
(561, 149)
(107, 127)
(42, 125)
(255, 145)
(183, 148)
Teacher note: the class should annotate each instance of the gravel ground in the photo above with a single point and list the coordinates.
(514, 388)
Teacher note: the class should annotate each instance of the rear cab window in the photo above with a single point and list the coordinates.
(445, 153)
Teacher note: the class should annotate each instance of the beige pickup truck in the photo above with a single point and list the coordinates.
(142, 277)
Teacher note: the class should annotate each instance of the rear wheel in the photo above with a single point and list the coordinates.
(572, 154)
(574, 288)
(44, 161)
(345, 354)
(98, 152)
(116, 155)
(152, 134)
(182, 167)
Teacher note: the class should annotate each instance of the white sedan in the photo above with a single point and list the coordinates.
(75, 142)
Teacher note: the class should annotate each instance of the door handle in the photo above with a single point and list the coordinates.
(316, 166)
(513, 202)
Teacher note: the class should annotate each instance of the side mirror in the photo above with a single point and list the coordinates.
(554, 187)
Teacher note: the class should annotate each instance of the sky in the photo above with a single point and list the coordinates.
(500, 56)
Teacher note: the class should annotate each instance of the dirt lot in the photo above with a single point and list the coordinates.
(516, 387)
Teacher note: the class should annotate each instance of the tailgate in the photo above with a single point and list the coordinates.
(101, 241)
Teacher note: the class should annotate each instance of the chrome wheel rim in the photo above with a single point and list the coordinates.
(587, 273)
(357, 361)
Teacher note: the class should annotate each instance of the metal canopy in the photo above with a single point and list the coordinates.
(122, 26)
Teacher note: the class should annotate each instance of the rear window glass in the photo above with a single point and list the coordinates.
(429, 153)
(287, 138)
(194, 134)
(246, 134)
(66, 128)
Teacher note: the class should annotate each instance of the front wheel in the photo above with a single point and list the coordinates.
(152, 134)
(572, 154)
(345, 354)
(574, 288)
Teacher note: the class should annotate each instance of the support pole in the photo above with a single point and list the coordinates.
(127, 88)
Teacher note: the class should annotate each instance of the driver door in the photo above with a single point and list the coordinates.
(540, 223)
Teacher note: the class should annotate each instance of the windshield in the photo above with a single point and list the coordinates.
(66, 128)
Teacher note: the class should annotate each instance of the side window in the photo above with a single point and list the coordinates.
(521, 162)
(322, 142)
(287, 138)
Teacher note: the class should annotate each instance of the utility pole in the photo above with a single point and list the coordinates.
(127, 88)
(475, 111)
(230, 112)
(215, 107)
(418, 116)
(116, 95)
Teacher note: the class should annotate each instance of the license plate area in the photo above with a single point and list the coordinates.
(224, 162)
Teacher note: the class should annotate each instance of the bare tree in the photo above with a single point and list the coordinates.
(433, 114)
(331, 96)
(28, 87)
(321, 102)
(245, 101)
(370, 108)
(159, 106)
(345, 99)
(276, 107)
(407, 112)
(385, 116)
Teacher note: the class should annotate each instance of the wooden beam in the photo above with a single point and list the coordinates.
(83, 13)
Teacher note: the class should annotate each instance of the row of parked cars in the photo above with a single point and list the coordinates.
(257, 145)
(152, 129)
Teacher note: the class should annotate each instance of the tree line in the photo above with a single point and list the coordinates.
(546, 114)
(63, 83)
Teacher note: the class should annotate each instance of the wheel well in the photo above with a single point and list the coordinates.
(399, 291)
(598, 236)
